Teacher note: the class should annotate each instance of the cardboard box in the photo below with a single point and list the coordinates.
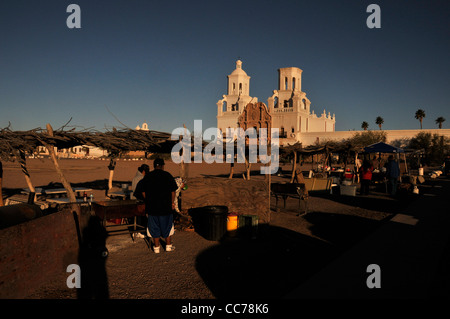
(349, 190)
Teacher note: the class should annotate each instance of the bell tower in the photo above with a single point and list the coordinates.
(233, 103)
(238, 81)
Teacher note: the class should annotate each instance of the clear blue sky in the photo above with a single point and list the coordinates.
(166, 62)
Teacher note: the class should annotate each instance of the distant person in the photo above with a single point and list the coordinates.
(358, 168)
(392, 174)
(157, 189)
(446, 166)
(366, 177)
(376, 162)
(141, 172)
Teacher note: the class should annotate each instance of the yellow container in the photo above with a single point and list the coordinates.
(232, 222)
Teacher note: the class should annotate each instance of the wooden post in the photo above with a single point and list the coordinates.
(182, 163)
(182, 167)
(404, 157)
(247, 167)
(111, 167)
(23, 164)
(294, 167)
(357, 167)
(66, 184)
(231, 170)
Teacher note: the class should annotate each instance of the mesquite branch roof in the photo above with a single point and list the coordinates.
(115, 142)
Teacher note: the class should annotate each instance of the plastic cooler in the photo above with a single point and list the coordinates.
(248, 225)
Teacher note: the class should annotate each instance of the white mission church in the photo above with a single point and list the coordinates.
(289, 110)
(288, 107)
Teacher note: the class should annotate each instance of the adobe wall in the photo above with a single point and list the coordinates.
(36, 252)
(241, 196)
(310, 138)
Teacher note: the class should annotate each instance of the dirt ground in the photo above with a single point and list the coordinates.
(286, 251)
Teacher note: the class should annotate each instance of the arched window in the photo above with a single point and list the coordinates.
(293, 83)
(224, 106)
(275, 102)
(285, 83)
(240, 88)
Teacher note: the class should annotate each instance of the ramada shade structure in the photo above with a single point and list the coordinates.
(17, 144)
(115, 142)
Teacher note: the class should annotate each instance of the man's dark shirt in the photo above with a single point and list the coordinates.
(158, 186)
(392, 169)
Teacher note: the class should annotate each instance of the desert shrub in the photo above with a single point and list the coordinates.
(367, 138)
(435, 147)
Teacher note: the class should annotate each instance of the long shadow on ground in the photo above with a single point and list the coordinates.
(279, 259)
(376, 202)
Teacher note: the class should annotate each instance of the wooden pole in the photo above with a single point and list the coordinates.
(406, 165)
(66, 184)
(182, 164)
(23, 164)
(231, 170)
(247, 167)
(294, 167)
(111, 167)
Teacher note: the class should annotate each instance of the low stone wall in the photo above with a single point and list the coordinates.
(35, 252)
(250, 197)
(310, 138)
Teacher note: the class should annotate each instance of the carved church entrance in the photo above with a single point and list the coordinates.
(257, 116)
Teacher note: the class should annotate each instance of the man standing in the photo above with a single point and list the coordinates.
(142, 170)
(392, 174)
(157, 190)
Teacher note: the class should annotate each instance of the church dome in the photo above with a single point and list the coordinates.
(238, 70)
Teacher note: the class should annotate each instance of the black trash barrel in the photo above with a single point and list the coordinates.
(210, 221)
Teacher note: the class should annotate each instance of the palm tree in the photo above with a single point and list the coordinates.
(364, 125)
(439, 121)
(379, 121)
(420, 114)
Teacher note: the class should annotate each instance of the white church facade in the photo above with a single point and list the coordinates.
(289, 107)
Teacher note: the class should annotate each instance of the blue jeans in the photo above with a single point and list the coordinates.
(393, 182)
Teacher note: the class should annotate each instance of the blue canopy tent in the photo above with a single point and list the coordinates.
(382, 148)
(386, 148)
